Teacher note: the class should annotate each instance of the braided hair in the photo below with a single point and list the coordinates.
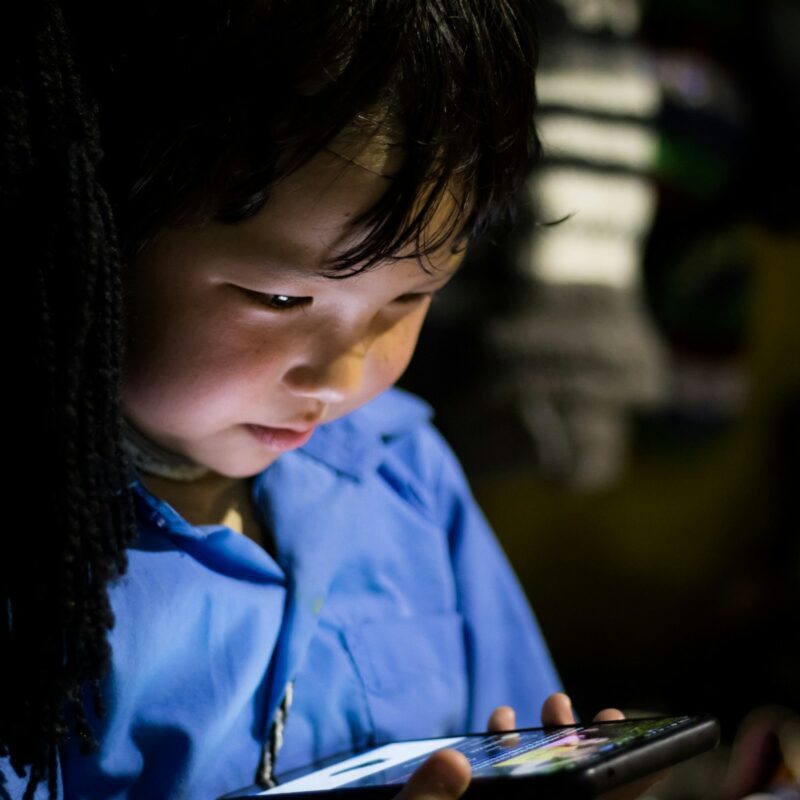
(177, 114)
(55, 617)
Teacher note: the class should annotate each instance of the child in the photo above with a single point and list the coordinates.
(259, 553)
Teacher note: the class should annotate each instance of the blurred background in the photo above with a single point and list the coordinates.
(619, 372)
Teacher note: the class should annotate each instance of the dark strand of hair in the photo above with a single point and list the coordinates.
(56, 612)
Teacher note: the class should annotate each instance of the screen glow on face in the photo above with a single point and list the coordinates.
(236, 327)
(511, 754)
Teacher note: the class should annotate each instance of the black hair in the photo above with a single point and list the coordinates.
(204, 107)
(63, 274)
(122, 118)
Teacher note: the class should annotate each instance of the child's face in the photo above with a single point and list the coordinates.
(206, 355)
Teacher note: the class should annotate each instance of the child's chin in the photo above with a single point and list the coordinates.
(235, 469)
(250, 467)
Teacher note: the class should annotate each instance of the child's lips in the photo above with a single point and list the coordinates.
(280, 438)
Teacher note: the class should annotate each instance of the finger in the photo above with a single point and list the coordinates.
(608, 714)
(443, 776)
(557, 710)
(503, 719)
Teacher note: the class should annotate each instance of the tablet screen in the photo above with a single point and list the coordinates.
(491, 755)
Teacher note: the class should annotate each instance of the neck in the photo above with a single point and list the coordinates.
(153, 459)
(205, 500)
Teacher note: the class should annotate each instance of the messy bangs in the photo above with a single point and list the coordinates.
(229, 98)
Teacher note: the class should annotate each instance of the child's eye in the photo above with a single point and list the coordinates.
(280, 302)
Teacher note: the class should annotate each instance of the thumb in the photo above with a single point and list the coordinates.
(443, 776)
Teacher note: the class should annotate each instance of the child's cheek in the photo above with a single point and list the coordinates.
(393, 350)
(194, 380)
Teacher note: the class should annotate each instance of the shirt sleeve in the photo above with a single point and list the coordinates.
(508, 660)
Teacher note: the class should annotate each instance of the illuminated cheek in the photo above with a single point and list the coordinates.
(394, 349)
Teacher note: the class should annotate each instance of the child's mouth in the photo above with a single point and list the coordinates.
(280, 438)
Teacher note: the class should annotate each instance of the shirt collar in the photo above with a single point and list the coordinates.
(354, 444)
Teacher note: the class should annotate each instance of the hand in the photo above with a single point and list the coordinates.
(443, 776)
(447, 773)
(557, 710)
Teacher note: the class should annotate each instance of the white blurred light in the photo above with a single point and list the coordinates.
(598, 199)
(633, 92)
(602, 242)
(620, 143)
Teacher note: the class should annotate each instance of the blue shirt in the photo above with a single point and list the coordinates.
(390, 608)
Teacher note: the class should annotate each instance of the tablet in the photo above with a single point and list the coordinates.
(564, 761)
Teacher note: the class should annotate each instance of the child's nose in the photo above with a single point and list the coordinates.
(330, 380)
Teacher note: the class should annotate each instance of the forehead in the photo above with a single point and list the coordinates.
(306, 221)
